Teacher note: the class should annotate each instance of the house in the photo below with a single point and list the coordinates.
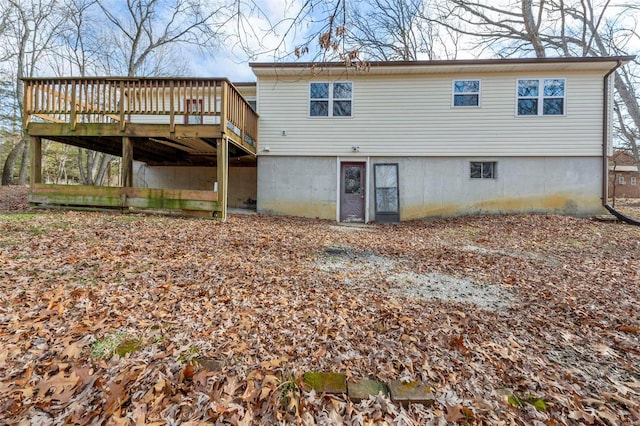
(624, 178)
(386, 142)
(406, 140)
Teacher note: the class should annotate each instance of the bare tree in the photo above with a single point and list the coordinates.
(83, 51)
(30, 30)
(82, 46)
(145, 29)
(556, 28)
(391, 30)
(140, 38)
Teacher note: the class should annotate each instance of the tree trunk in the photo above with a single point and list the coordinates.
(83, 177)
(627, 96)
(10, 163)
(93, 166)
(532, 27)
(105, 160)
(22, 176)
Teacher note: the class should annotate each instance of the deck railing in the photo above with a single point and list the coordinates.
(128, 100)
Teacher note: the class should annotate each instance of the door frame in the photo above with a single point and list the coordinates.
(367, 183)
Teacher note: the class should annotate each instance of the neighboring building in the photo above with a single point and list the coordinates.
(408, 140)
(624, 177)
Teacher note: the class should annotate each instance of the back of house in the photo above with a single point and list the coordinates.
(392, 141)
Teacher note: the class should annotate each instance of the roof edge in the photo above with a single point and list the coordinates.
(441, 62)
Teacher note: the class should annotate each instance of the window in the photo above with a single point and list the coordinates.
(194, 111)
(330, 99)
(541, 96)
(466, 93)
(253, 103)
(634, 181)
(621, 180)
(353, 179)
(483, 169)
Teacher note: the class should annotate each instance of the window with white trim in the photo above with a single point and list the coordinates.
(330, 99)
(621, 180)
(544, 96)
(194, 108)
(483, 169)
(466, 93)
(634, 180)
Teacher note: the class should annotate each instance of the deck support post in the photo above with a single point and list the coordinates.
(36, 159)
(223, 176)
(126, 168)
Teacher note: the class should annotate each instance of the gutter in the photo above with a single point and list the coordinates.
(605, 159)
(605, 132)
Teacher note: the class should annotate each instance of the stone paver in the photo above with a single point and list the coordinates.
(326, 382)
(209, 363)
(411, 392)
(364, 388)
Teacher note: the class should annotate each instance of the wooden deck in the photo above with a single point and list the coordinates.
(172, 120)
(159, 121)
(123, 198)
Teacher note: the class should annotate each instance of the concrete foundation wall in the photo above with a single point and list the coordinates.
(443, 187)
(428, 186)
(298, 186)
(242, 180)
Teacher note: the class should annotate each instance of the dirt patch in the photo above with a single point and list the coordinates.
(436, 286)
(354, 266)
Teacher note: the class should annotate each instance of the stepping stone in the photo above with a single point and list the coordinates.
(326, 382)
(209, 364)
(364, 388)
(411, 392)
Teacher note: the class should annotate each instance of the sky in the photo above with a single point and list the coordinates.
(232, 60)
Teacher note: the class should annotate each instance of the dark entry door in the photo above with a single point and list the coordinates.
(352, 192)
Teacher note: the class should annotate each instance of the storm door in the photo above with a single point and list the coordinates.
(387, 197)
(352, 192)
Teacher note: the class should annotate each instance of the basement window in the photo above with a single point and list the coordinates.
(483, 169)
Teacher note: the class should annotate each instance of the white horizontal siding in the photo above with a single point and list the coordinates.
(165, 119)
(413, 116)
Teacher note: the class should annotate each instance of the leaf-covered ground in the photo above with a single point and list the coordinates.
(133, 319)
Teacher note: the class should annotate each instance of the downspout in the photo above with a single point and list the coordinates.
(605, 140)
